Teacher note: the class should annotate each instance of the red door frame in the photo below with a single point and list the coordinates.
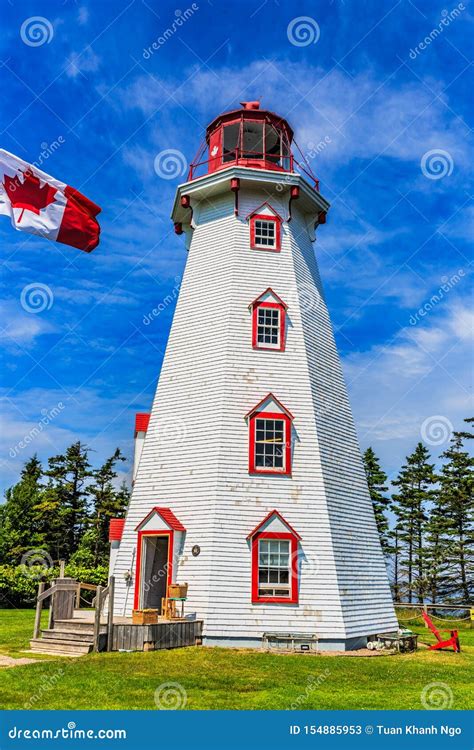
(138, 571)
(293, 598)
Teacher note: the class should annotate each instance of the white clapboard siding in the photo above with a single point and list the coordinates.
(195, 455)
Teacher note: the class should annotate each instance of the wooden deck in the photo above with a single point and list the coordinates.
(74, 632)
(167, 634)
(129, 637)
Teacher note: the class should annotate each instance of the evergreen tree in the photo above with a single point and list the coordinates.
(107, 503)
(456, 501)
(376, 481)
(436, 554)
(415, 482)
(19, 530)
(52, 520)
(69, 474)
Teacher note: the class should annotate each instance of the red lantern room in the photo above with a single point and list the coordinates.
(247, 137)
(250, 137)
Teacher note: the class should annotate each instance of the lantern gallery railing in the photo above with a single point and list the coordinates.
(246, 158)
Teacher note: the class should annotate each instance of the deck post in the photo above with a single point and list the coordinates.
(51, 610)
(110, 613)
(98, 606)
(62, 567)
(78, 596)
(39, 606)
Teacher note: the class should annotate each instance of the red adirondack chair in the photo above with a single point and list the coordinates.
(452, 642)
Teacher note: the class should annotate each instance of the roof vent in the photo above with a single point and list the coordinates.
(250, 105)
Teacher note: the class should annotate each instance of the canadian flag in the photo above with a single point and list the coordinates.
(39, 204)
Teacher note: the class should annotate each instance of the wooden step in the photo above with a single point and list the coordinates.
(75, 626)
(68, 635)
(60, 646)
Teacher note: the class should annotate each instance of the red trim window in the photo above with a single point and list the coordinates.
(275, 568)
(265, 232)
(268, 326)
(269, 443)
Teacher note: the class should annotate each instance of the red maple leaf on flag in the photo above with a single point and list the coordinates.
(28, 194)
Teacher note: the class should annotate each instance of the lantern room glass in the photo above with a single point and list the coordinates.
(251, 139)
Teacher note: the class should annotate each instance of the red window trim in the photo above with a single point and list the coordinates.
(266, 217)
(138, 572)
(253, 469)
(293, 598)
(278, 306)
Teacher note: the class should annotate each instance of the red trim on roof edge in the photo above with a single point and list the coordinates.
(141, 422)
(260, 403)
(168, 517)
(116, 529)
(257, 210)
(267, 291)
(267, 518)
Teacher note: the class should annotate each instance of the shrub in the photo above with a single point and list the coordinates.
(19, 583)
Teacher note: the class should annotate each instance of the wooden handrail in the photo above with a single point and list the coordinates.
(55, 587)
(110, 613)
(79, 587)
(98, 604)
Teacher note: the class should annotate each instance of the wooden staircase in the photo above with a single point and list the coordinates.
(70, 631)
(69, 638)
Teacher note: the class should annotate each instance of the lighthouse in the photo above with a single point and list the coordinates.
(248, 482)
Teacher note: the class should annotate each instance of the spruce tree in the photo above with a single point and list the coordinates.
(415, 482)
(456, 501)
(107, 503)
(19, 531)
(69, 474)
(376, 481)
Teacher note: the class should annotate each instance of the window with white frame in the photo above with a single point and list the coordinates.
(268, 326)
(274, 572)
(265, 233)
(270, 444)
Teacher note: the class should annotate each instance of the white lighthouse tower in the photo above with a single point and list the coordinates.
(250, 485)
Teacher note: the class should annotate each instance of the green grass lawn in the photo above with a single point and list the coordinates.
(229, 679)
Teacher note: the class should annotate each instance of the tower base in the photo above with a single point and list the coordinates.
(323, 644)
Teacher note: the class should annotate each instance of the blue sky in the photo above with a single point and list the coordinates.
(398, 230)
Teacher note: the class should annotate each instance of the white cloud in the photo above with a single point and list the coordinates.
(363, 115)
(427, 370)
(83, 62)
